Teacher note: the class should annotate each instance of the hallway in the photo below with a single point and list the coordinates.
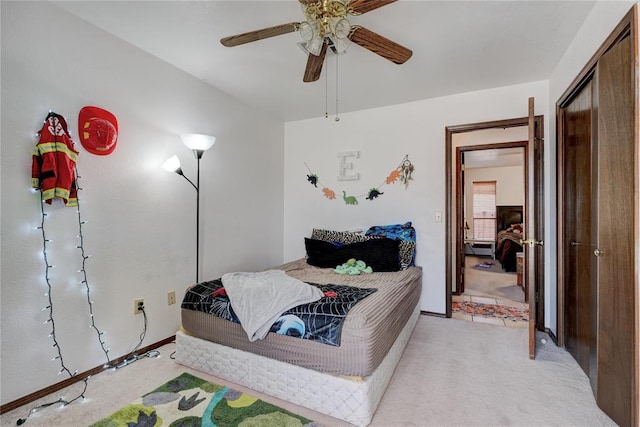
(490, 296)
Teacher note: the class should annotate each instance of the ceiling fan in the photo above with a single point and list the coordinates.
(326, 26)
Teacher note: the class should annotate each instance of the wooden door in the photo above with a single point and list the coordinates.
(538, 218)
(613, 246)
(575, 240)
(532, 245)
(461, 234)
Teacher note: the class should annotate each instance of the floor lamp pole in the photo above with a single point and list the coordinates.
(173, 165)
(198, 156)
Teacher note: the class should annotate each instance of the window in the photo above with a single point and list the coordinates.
(484, 210)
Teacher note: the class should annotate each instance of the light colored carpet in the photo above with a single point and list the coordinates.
(452, 373)
(492, 283)
(489, 265)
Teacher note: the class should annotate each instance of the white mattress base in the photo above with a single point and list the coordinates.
(354, 401)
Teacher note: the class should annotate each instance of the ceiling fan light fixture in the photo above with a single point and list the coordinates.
(314, 46)
(306, 31)
(339, 45)
(341, 28)
(311, 33)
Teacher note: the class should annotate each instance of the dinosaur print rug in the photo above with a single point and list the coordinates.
(189, 401)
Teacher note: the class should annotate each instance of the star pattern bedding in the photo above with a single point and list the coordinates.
(319, 321)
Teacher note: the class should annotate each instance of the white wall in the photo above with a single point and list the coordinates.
(383, 136)
(140, 228)
(509, 187)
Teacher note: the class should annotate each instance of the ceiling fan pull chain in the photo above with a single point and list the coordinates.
(337, 117)
(326, 96)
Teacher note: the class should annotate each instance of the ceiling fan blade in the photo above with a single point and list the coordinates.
(314, 65)
(380, 45)
(358, 7)
(256, 35)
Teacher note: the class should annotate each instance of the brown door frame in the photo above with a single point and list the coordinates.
(452, 205)
(459, 200)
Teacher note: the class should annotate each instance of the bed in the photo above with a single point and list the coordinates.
(509, 234)
(345, 381)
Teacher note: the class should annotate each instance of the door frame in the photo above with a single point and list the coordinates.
(451, 204)
(459, 202)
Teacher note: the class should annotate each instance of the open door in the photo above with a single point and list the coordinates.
(532, 244)
(533, 213)
(460, 246)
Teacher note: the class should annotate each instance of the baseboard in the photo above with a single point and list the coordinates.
(431, 313)
(10, 406)
(552, 336)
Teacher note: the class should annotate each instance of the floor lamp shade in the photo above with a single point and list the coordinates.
(172, 164)
(197, 141)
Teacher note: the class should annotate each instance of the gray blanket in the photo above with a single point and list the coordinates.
(258, 299)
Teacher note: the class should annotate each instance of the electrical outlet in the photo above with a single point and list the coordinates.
(171, 297)
(138, 304)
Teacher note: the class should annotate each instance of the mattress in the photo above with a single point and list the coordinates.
(368, 332)
(349, 399)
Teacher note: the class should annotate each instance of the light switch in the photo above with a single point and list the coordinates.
(438, 216)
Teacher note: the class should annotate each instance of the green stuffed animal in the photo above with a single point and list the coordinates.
(353, 267)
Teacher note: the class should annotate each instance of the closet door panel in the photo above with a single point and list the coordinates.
(579, 295)
(614, 247)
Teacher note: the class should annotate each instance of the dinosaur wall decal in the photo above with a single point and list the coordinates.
(350, 200)
(403, 173)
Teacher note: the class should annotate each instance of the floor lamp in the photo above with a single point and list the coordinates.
(198, 143)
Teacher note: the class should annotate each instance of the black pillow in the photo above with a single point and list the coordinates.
(380, 254)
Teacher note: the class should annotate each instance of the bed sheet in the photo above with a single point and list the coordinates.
(368, 332)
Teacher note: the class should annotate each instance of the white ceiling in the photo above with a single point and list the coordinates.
(458, 46)
(499, 157)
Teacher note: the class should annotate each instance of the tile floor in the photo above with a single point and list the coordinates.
(490, 320)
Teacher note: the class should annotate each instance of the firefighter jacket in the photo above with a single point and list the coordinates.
(54, 161)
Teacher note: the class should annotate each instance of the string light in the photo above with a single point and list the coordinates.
(63, 368)
(49, 307)
(83, 270)
(130, 358)
(59, 400)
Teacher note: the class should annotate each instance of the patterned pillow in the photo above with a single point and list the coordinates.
(403, 232)
(407, 254)
(344, 237)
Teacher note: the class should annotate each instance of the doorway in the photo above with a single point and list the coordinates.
(533, 148)
(491, 289)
